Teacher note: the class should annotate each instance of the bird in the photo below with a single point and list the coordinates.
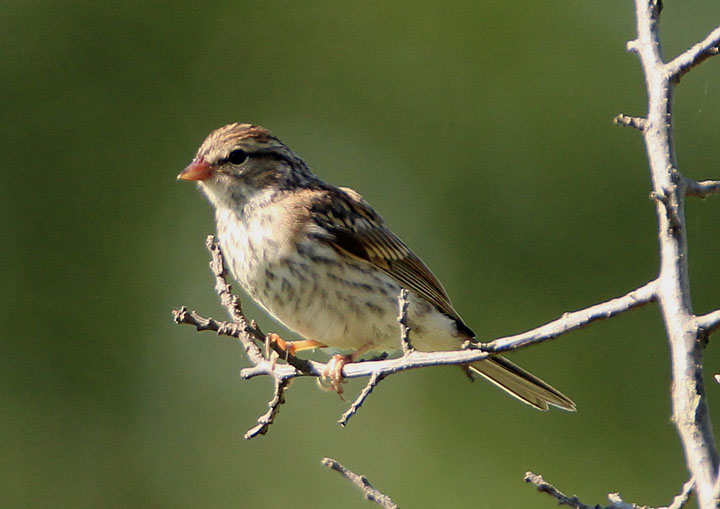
(320, 260)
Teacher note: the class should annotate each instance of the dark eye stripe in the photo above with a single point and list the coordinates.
(280, 157)
(239, 156)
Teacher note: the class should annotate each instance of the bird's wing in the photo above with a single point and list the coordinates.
(355, 229)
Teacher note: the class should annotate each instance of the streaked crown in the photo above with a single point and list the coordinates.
(252, 139)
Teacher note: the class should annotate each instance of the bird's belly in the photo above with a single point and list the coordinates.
(324, 296)
(343, 305)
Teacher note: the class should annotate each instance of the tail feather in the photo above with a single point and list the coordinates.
(522, 384)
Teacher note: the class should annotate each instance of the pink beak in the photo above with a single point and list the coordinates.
(196, 170)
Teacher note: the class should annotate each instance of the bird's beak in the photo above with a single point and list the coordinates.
(196, 170)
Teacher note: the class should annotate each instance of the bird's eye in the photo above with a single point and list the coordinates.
(237, 156)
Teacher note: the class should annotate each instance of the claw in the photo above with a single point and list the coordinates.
(286, 346)
(333, 371)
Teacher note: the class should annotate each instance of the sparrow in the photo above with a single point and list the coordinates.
(321, 260)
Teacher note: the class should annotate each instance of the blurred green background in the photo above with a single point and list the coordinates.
(480, 130)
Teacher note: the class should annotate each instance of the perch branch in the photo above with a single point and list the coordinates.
(616, 501)
(371, 493)
(377, 370)
(574, 320)
(568, 322)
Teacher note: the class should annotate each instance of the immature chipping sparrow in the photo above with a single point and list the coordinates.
(321, 261)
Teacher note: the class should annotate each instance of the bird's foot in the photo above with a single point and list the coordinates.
(290, 347)
(333, 372)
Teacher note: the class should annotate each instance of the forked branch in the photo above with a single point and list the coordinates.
(686, 332)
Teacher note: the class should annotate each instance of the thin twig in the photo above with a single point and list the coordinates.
(684, 496)
(233, 329)
(700, 52)
(231, 302)
(629, 121)
(375, 379)
(245, 333)
(576, 319)
(616, 501)
(403, 303)
(701, 189)
(709, 322)
(371, 493)
(248, 334)
(265, 420)
(545, 487)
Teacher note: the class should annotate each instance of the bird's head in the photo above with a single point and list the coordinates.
(239, 161)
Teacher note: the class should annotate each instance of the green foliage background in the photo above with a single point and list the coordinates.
(480, 130)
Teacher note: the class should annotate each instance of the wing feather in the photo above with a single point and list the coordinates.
(356, 229)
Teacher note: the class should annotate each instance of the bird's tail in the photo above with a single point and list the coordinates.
(521, 384)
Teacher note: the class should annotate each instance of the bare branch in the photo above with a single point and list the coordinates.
(265, 420)
(701, 189)
(224, 290)
(616, 501)
(576, 319)
(402, 319)
(628, 121)
(245, 334)
(703, 50)
(709, 322)
(545, 487)
(375, 379)
(684, 496)
(690, 410)
(361, 482)
(231, 302)
(568, 322)
(248, 333)
(234, 329)
(377, 370)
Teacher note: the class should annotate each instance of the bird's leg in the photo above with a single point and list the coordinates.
(292, 347)
(333, 368)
